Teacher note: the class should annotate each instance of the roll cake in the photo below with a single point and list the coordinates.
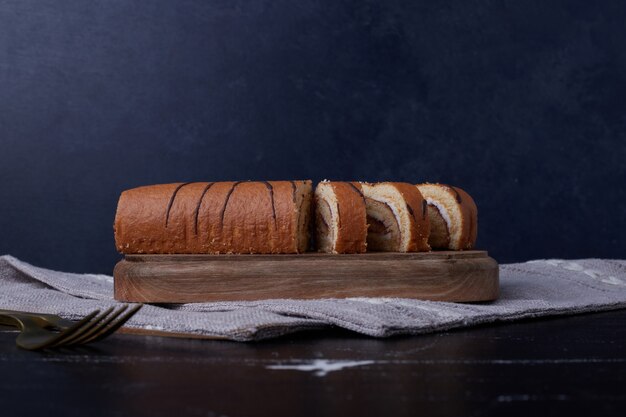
(340, 217)
(215, 217)
(397, 217)
(453, 216)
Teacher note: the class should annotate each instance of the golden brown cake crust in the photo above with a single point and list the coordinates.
(420, 225)
(469, 215)
(220, 217)
(352, 225)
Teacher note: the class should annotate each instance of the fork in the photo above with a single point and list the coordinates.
(43, 331)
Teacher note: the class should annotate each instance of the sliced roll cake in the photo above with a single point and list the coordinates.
(397, 218)
(215, 217)
(340, 216)
(453, 216)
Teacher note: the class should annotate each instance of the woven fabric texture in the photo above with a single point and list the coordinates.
(531, 289)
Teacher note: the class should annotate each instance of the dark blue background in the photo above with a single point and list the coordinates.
(522, 103)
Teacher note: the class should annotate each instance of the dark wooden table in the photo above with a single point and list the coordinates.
(560, 366)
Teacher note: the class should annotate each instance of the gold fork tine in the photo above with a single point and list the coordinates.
(36, 330)
(85, 329)
(114, 325)
(33, 337)
(86, 336)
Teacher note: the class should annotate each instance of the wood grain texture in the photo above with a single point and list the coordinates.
(467, 276)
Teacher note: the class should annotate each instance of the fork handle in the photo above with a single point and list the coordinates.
(11, 318)
(48, 319)
(19, 318)
(26, 313)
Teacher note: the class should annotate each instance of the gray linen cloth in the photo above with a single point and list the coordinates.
(531, 289)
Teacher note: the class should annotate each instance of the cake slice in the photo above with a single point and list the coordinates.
(453, 216)
(397, 219)
(341, 224)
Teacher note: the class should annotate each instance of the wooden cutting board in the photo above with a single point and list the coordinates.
(466, 276)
